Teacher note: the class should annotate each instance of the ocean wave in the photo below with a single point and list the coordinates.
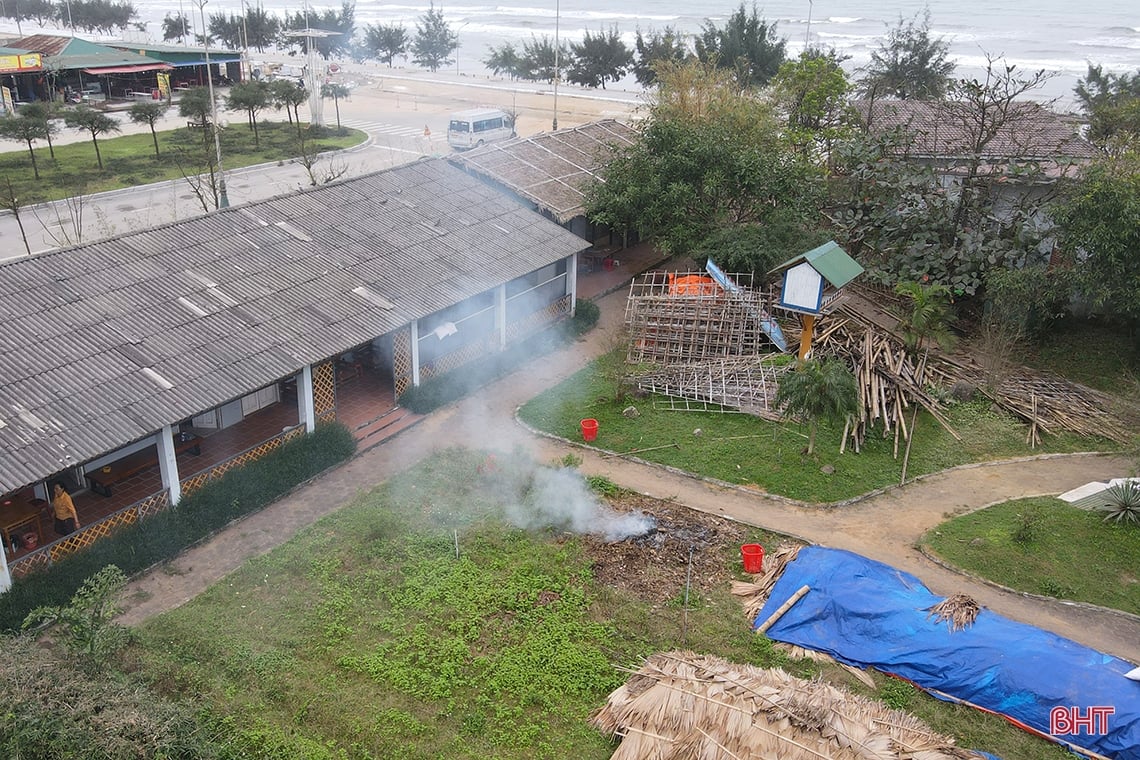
(844, 19)
(1128, 43)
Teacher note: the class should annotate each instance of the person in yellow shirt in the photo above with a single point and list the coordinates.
(66, 519)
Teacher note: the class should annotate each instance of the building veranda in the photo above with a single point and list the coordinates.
(135, 369)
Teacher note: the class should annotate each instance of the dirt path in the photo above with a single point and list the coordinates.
(884, 527)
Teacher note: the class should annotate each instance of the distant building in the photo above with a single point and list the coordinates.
(944, 135)
(551, 171)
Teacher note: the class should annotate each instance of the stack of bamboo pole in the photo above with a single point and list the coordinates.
(889, 379)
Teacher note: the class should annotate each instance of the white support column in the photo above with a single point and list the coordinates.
(5, 574)
(415, 352)
(501, 315)
(306, 414)
(572, 281)
(168, 464)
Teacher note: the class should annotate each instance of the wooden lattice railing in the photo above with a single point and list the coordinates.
(89, 534)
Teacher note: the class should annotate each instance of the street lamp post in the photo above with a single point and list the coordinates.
(457, 31)
(223, 199)
(557, 45)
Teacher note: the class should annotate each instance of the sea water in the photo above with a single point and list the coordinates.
(1053, 35)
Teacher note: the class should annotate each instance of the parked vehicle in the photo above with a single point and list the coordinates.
(478, 126)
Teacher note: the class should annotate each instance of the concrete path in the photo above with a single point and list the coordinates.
(885, 527)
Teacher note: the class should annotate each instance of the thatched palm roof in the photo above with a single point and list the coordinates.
(685, 706)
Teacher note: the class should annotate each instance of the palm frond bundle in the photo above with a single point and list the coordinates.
(959, 611)
(684, 706)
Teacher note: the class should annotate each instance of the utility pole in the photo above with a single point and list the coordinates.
(556, 50)
(245, 45)
(223, 199)
(807, 32)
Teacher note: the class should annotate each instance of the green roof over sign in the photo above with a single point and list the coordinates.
(81, 54)
(829, 260)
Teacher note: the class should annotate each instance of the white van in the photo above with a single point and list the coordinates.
(478, 126)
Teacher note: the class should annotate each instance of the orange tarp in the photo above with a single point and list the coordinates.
(693, 285)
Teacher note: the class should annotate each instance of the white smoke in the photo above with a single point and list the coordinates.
(561, 498)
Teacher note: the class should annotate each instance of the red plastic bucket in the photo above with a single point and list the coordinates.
(589, 430)
(753, 556)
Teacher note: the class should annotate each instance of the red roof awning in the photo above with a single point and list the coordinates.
(133, 69)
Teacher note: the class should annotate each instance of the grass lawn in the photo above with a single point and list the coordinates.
(1063, 552)
(365, 636)
(130, 160)
(768, 456)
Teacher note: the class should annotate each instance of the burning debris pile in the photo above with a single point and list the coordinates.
(536, 498)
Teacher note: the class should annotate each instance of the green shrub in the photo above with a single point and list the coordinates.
(1122, 502)
(163, 536)
(54, 710)
(586, 314)
(1027, 526)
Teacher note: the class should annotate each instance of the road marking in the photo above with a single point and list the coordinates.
(400, 150)
(377, 127)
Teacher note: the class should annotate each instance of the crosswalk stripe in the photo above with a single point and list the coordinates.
(382, 128)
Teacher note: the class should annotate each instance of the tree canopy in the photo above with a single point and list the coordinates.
(103, 16)
(818, 390)
(539, 59)
(665, 45)
(386, 41)
(251, 97)
(811, 92)
(707, 158)
(27, 130)
(1111, 102)
(504, 59)
(909, 64)
(149, 112)
(342, 22)
(747, 45)
(94, 123)
(176, 27)
(1100, 226)
(434, 41)
(599, 58)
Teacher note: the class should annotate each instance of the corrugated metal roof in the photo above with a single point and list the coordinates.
(945, 130)
(552, 169)
(65, 53)
(219, 318)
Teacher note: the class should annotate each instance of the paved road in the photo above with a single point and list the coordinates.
(404, 114)
(884, 528)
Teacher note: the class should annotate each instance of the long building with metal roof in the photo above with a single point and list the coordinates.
(108, 343)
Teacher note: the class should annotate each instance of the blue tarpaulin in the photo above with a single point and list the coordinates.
(865, 613)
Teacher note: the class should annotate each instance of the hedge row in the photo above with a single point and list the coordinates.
(165, 535)
(438, 391)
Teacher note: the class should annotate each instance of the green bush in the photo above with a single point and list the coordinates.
(586, 315)
(435, 392)
(55, 710)
(163, 536)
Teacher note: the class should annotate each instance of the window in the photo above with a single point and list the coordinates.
(459, 126)
(488, 124)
